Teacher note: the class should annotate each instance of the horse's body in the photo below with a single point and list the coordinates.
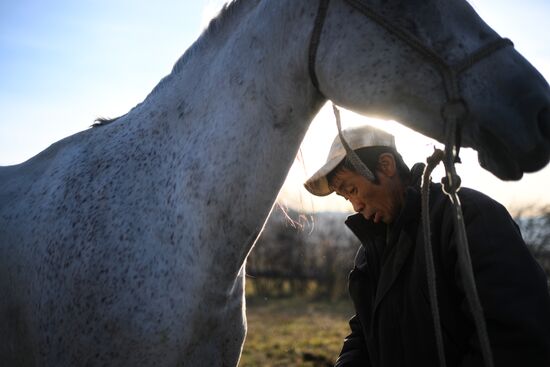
(125, 245)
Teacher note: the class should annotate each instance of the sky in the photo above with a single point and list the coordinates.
(64, 63)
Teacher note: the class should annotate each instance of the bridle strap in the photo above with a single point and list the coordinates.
(449, 72)
(314, 42)
(482, 53)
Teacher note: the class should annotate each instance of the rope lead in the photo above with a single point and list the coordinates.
(451, 186)
(432, 162)
(357, 163)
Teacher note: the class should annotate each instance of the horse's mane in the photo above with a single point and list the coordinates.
(216, 25)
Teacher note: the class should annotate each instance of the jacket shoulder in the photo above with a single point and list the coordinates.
(473, 202)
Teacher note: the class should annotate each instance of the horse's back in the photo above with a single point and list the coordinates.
(26, 190)
(18, 180)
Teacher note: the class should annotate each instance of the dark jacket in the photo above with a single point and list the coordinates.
(393, 323)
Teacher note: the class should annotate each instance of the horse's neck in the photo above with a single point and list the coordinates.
(235, 114)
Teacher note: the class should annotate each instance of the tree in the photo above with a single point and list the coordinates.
(310, 255)
(535, 228)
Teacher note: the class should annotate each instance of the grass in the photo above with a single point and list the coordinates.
(294, 332)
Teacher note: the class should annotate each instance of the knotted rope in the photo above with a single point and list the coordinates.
(358, 165)
(432, 162)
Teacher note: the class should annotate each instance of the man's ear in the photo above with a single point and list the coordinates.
(387, 165)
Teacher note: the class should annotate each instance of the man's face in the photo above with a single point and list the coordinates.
(377, 202)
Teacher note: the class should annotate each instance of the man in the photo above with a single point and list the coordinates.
(393, 324)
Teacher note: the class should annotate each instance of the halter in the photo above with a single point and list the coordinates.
(453, 113)
(454, 110)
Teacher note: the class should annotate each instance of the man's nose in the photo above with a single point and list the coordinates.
(357, 205)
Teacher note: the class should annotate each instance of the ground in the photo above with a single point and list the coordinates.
(294, 332)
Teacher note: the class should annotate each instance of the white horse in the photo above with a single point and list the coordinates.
(124, 245)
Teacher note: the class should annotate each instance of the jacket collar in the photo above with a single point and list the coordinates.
(401, 241)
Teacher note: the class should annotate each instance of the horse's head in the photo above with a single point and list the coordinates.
(365, 64)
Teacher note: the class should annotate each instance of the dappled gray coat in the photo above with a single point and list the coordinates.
(393, 322)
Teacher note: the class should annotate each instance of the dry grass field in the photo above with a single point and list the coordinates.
(294, 332)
